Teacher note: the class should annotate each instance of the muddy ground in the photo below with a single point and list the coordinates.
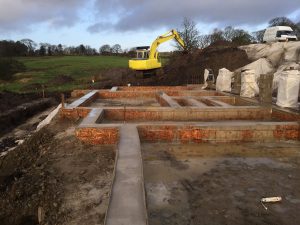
(222, 184)
(53, 178)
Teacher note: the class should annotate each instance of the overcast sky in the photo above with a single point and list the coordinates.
(130, 22)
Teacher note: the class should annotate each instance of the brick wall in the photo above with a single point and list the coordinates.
(99, 135)
(185, 134)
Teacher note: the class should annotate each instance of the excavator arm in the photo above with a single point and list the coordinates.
(172, 34)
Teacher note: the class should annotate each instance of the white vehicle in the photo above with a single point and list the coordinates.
(279, 33)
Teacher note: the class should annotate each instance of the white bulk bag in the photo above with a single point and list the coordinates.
(249, 87)
(206, 72)
(223, 82)
(288, 89)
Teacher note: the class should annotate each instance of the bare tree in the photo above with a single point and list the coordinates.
(116, 49)
(42, 50)
(241, 37)
(31, 45)
(229, 33)
(189, 34)
(259, 35)
(217, 35)
(204, 41)
(105, 49)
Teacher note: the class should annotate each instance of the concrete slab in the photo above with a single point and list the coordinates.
(93, 117)
(194, 102)
(166, 100)
(113, 89)
(127, 205)
(84, 99)
(220, 103)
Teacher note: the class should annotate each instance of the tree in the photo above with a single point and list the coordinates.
(82, 49)
(229, 33)
(281, 21)
(11, 48)
(20, 49)
(237, 36)
(241, 37)
(105, 49)
(60, 49)
(217, 35)
(31, 45)
(204, 41)
(90, 51)
(49, 51)
(189, 34)
(8, 67)
(259, 35)
(42, 51)
(116, 49)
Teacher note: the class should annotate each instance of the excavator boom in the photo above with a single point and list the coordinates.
(172, 34)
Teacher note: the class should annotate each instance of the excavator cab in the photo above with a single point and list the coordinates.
(142, 52)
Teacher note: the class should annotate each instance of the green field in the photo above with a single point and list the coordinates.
(42, 70)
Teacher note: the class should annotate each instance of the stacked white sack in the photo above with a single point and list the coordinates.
(283, 67)
(206, 72)
(249, 87)
(288, 89)
(223, 82)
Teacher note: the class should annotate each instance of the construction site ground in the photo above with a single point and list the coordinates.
(214, 184)
(53, 178)
(154, 154)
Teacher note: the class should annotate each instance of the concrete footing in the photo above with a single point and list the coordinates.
(186, 114)
(127, 204)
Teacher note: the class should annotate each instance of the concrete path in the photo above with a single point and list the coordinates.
(128, 206)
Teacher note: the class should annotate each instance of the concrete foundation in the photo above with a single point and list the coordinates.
(185, 114)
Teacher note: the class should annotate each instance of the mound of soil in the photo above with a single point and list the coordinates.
(189, 68)
(52, 178)
(222, 44)
(121, 77)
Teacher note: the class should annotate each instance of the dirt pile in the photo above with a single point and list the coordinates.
(47, 177)
(121, 77)
(189, 68)
(24, 183)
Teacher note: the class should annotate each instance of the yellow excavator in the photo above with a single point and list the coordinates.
(147, 60)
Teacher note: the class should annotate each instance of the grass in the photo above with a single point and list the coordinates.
(41, 70)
